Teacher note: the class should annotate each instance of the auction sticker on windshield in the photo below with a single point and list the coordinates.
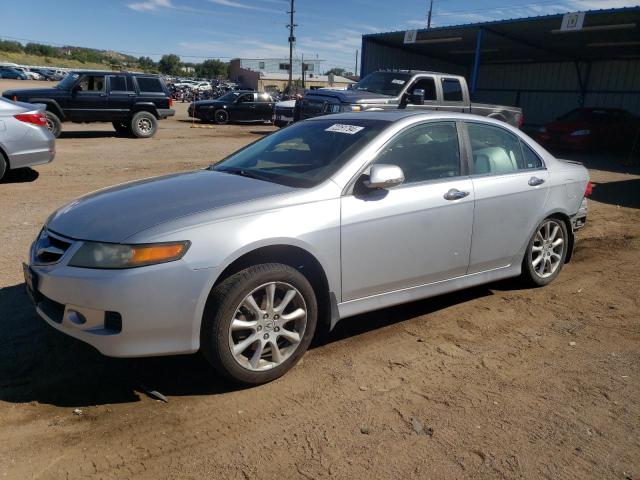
(397, 81)
(340, 128)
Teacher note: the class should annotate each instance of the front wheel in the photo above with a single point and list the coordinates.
(258, 323)
(546, 252)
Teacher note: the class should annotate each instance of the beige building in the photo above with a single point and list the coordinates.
(240, 71)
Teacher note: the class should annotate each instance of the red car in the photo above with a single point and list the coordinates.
(591, 129)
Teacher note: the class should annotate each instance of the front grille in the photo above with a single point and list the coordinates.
(50, 247)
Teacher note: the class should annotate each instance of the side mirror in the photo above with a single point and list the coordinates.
(417, 97)
(384, 176)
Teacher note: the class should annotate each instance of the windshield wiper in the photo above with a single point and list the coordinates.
(242, 172)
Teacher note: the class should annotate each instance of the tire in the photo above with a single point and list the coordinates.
(221, 117)
(543, 261)
(144, 125)
(4, 166)
(54, 125)
(257, 363)
(123, 127)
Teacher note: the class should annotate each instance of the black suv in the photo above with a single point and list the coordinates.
(132, 102)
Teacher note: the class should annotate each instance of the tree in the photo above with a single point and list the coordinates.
(169, 64)
(146, 63)
(211, 69)
(336, 71)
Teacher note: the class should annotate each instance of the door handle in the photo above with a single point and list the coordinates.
(535, 181)
(455, 194)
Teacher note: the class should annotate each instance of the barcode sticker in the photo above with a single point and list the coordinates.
(340, 128)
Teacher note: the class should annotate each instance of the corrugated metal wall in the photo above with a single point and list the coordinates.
(543, 90)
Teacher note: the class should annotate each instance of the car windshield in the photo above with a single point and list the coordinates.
(229, 97)
(68, 81)
(383, 83)
(304, 154)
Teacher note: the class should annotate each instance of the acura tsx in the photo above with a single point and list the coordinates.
(325, 219)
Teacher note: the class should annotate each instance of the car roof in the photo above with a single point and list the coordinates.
(113, 72)
(400, 114)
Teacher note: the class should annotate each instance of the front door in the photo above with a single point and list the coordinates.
(511, 187)
(88, 102)
(245, 107)
(418, 232)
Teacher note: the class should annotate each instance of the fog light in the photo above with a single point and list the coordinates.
(76, 317)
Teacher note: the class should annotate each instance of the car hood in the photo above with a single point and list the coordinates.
(117, 213)
(349, 96)
(32, 92)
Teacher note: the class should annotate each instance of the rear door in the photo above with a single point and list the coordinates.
(121, 95)
(510, 185)
(455, 97)
(416, 233)
(265, 107)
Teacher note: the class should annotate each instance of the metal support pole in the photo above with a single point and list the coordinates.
(476, 63)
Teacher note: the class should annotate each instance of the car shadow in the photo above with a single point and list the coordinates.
(21, 175)
(625, 193)
(38, 363)
(92, 134)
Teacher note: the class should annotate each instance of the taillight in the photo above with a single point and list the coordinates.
(14, 98)
(589, 190)
(170, 102)
(521, 120)
(39, 119)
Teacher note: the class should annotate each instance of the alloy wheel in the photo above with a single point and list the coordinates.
(145, 126)
(547, 249)
(268, 326)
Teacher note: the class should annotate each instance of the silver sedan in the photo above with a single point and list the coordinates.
(24, 138)
(320, 221)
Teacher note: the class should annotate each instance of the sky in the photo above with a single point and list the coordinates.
(197, 29)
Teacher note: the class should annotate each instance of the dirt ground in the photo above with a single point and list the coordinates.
(493, 382)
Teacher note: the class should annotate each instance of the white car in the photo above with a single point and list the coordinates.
(30, 75)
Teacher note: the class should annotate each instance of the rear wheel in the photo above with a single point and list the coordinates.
(258, 323)
(546, 252)
(54, 125)
(122, 127)
(144, 125)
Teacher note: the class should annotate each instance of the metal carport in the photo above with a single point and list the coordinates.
(529, 62)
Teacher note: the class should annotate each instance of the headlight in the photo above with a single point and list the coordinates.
(351, 108)
(115, 255)
(580, 133)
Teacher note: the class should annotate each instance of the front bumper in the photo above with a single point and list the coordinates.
(154, 310)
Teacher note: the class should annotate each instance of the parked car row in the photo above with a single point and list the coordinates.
(16, 72)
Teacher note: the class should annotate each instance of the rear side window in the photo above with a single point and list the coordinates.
(451, 90)
(120, 83)
(425, 152)
(531, 159)
(150, 85)
(494, 149)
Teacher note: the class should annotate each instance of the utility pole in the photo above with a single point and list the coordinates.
(303, 71)
(429, 15)
(292, 40)
(355, 72)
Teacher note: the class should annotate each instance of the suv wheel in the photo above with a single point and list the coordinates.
(54, 125)
(221, 117)
(258, 323)
(144, 125)
(122, 127)
(546, 252)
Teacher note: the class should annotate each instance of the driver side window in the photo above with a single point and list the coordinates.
(425, 152)
(91, 83)
(429, 87)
